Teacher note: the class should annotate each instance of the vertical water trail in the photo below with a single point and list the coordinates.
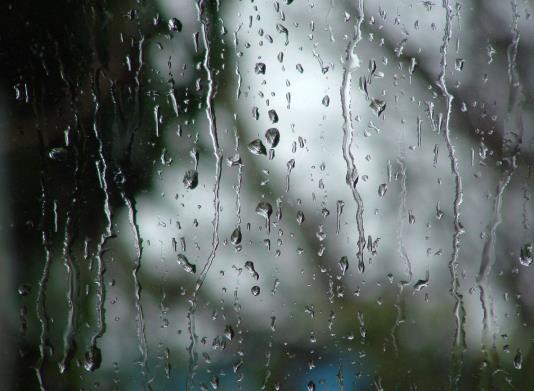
(72, 282)
(210, 114)
(510, 149)
(237, 71)
(459, 310)
(93, 354)
(40, 302)
(351, 62)
(402, 216)
(71, 223)
(41, 309)
(141, 335)
(239, 182)
(401, 247)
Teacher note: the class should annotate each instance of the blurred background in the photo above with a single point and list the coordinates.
(279, 195)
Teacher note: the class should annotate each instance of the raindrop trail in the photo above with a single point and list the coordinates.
(71, 223)
(401, 247)
(402, 215)
(351, 62)
(210, 114)
(488, 252)
(459, 310)
(72, 291)
(101, 169)
(237, 71)
(239, 182)
(510, 150)
(141, 335)
(40, 305)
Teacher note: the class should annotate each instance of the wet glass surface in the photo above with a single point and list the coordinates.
(279, 195)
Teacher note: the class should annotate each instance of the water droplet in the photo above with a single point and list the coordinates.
(234, 160)
(326, 101)
(343, 264)
(93, 359)
(24, 289)
(300, 217)
(264, 209)
(235, 238)
(382, 189)
(190, 179)
(59, 154)
(273, 116)
(175, 25)
(378, 106)
(257, 147)
(249, 265)
(184, 262)
(518, 360)
(260, 68)
(525, 255)
(272, 135)
(459, 64)
(255, 290)
(229, 332)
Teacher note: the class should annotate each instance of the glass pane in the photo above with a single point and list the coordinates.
(279, 195)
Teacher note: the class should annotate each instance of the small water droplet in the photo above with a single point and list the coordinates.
(24, 289)
(59, 154)
(93, 359)
(234, 160)
(273, 116)
(257, 147)
(255, 290)
(249, 265)
(260, 68)
(190, 179)
(525, 255)
(300, 217)
(518, 360)
(378, 106)
(272, 135)
(343, 264)
(229, 332)
(175, 25)
(264, 209)
(188, 266)
(382, 189)
(235, 238)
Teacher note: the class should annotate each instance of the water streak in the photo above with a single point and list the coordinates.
(351, 62)
(210, 114)
(459, 310)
